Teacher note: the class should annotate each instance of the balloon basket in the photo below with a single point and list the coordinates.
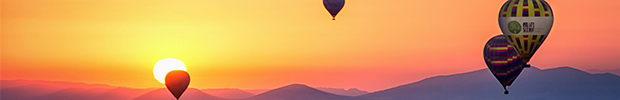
(527, 66)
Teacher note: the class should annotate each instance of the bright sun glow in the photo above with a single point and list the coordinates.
(162, 67)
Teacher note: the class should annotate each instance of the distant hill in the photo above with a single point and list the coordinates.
(55, 90)
(121, 93)
(72, 94)
(350, 92)
(36, 89)
(189, 94)
(339, 91)
(27, 92)
(597, 71)
(257, 91)
(228, 93)
(299, 92)
(563, 83)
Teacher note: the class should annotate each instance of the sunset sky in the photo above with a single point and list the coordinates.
(264, 44)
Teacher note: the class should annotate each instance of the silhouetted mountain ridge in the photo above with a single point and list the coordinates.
(562, 83)
(299, 92)
(597, 71)
(27, 92)
(189, 94)
(339, 91)
(73, 94)
(53, 90)
(228, 93)
(121, 93)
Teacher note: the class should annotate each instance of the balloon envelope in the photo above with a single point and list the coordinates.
(177, 82)
(333, 6)
(526, 24)
(502, 60)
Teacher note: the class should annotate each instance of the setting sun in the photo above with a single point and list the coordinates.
(162, 67)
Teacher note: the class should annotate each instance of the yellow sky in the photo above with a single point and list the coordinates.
(251, 44)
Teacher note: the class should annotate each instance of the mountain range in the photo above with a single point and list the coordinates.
(346, 92)
(189, 94)
(562, 83)
(229, 93)
(598, 71)
(299, 92)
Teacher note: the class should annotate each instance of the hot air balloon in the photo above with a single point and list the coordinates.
(333, 6)
(526, 24)
(177, 82)
(503, 61)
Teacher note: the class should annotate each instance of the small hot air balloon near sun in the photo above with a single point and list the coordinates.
(172, 72)
(503, 61)
(526, 24)
(333, 6)
(177, 82)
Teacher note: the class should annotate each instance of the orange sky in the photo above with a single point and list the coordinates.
(255, 44)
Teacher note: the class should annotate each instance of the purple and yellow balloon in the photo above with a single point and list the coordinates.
(503, 61)
(526, 24)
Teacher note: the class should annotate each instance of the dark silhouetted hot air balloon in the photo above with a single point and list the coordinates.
(333, 6)
(177, 82)
(503, 61)
(526, 24)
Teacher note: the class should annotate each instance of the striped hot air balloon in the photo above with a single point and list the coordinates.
(333, 7)
(503, 61)
(526, 24)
